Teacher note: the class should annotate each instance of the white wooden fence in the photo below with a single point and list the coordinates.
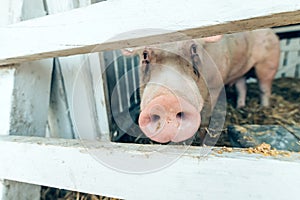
(289, 65)
(100, 167)
(290, 58)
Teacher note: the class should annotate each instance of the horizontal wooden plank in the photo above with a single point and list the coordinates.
(69, 164)
(292, 44)
(284, 29)
(287, 32)
(98, 27)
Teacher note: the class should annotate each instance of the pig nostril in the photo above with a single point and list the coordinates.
(180, 115)
(155, 118)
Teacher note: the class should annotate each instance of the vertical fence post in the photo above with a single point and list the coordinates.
(24, 90)
(69, 72)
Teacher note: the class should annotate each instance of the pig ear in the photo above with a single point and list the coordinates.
(128, 52)
(215, 38)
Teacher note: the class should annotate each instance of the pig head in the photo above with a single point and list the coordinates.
(181, 80)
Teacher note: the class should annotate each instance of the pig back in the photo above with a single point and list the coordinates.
(237, 53)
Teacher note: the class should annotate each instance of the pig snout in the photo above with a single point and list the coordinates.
(169, 118)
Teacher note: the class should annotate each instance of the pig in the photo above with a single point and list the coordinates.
(178, 80)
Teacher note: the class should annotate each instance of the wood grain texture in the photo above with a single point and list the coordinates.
(98, 27)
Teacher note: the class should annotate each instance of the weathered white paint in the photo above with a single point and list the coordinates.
(59, 118)
(68, 165)
(102, 94)
(65, 70)
(83, 69)
(17, 190)
(6, 89)
(99, 93)
(58, 6)
(83, 103)
(24, 98)
(292, 45)
(32, 9)
(10, 11)
(96, 24)
(30, 98)
(83, 3)
(289, 57)
(4, 19)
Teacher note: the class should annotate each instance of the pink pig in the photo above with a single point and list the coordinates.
(179, 81)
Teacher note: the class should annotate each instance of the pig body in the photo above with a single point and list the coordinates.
(237, 53)
(174, 91)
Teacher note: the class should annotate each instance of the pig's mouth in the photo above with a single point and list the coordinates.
(168, 118)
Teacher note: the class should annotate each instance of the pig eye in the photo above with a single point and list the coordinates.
(196, 72)
(146, 60)
(146, 65)
(196, 63)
